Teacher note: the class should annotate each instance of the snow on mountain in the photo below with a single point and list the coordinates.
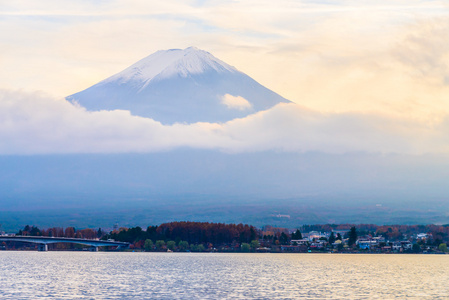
(183, 86)
(170, 63)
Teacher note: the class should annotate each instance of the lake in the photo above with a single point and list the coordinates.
(125, 275)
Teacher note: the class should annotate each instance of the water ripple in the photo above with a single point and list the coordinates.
(86, 275)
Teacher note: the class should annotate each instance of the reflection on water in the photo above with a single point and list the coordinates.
(81, 275)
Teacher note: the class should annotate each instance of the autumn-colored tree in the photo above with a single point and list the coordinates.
(69, 232)
(87, 233)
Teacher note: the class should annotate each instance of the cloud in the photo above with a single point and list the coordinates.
(33, 123)
(38, 124)
(425, 51)
(235, 102)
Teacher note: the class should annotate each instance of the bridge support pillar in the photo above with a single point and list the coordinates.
(42, 247)
(93, 249)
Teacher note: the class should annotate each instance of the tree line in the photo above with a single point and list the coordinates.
(180, 236)
(68, 232)
(202, 236)
(190, 232)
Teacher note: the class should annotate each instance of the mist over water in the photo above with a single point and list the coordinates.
(81, 275)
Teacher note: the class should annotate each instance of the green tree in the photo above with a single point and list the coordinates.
(297, 235)
(183, 245)
(201, 248)
(34, 231)
(148, 245)
(245, 247)
(160, 244)
(339, 237)
(352, 236)
(171, 245)
(255, 244)
(416, 248)
(442, 247)
(283, 239)
(332, 238)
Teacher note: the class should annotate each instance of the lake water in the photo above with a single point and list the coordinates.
(102, 275)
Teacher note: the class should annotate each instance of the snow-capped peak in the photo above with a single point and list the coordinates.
(180, 86)
(168, 63)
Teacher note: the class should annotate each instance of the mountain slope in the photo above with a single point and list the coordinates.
(184, 86)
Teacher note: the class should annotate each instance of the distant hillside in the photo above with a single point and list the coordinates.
(284, 189)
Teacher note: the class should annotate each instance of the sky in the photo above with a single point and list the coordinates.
(368, 76)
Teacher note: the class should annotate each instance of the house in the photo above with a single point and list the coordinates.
(367, 244)
(406, 245)
(396, 246)
(378, 239)
(422, 236)
(299, 242)
(298, 248)
(341, 232)
(263, 249)
(315, 235)
(337, 243)
(386, 249)
(401, 246)
(318, 245)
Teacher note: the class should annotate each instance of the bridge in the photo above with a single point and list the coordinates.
(43, 241)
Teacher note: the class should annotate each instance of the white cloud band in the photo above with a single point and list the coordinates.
(33, 123)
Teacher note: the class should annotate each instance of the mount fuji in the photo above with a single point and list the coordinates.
(180, 86)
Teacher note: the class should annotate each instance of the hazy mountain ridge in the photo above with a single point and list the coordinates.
(133, 189)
